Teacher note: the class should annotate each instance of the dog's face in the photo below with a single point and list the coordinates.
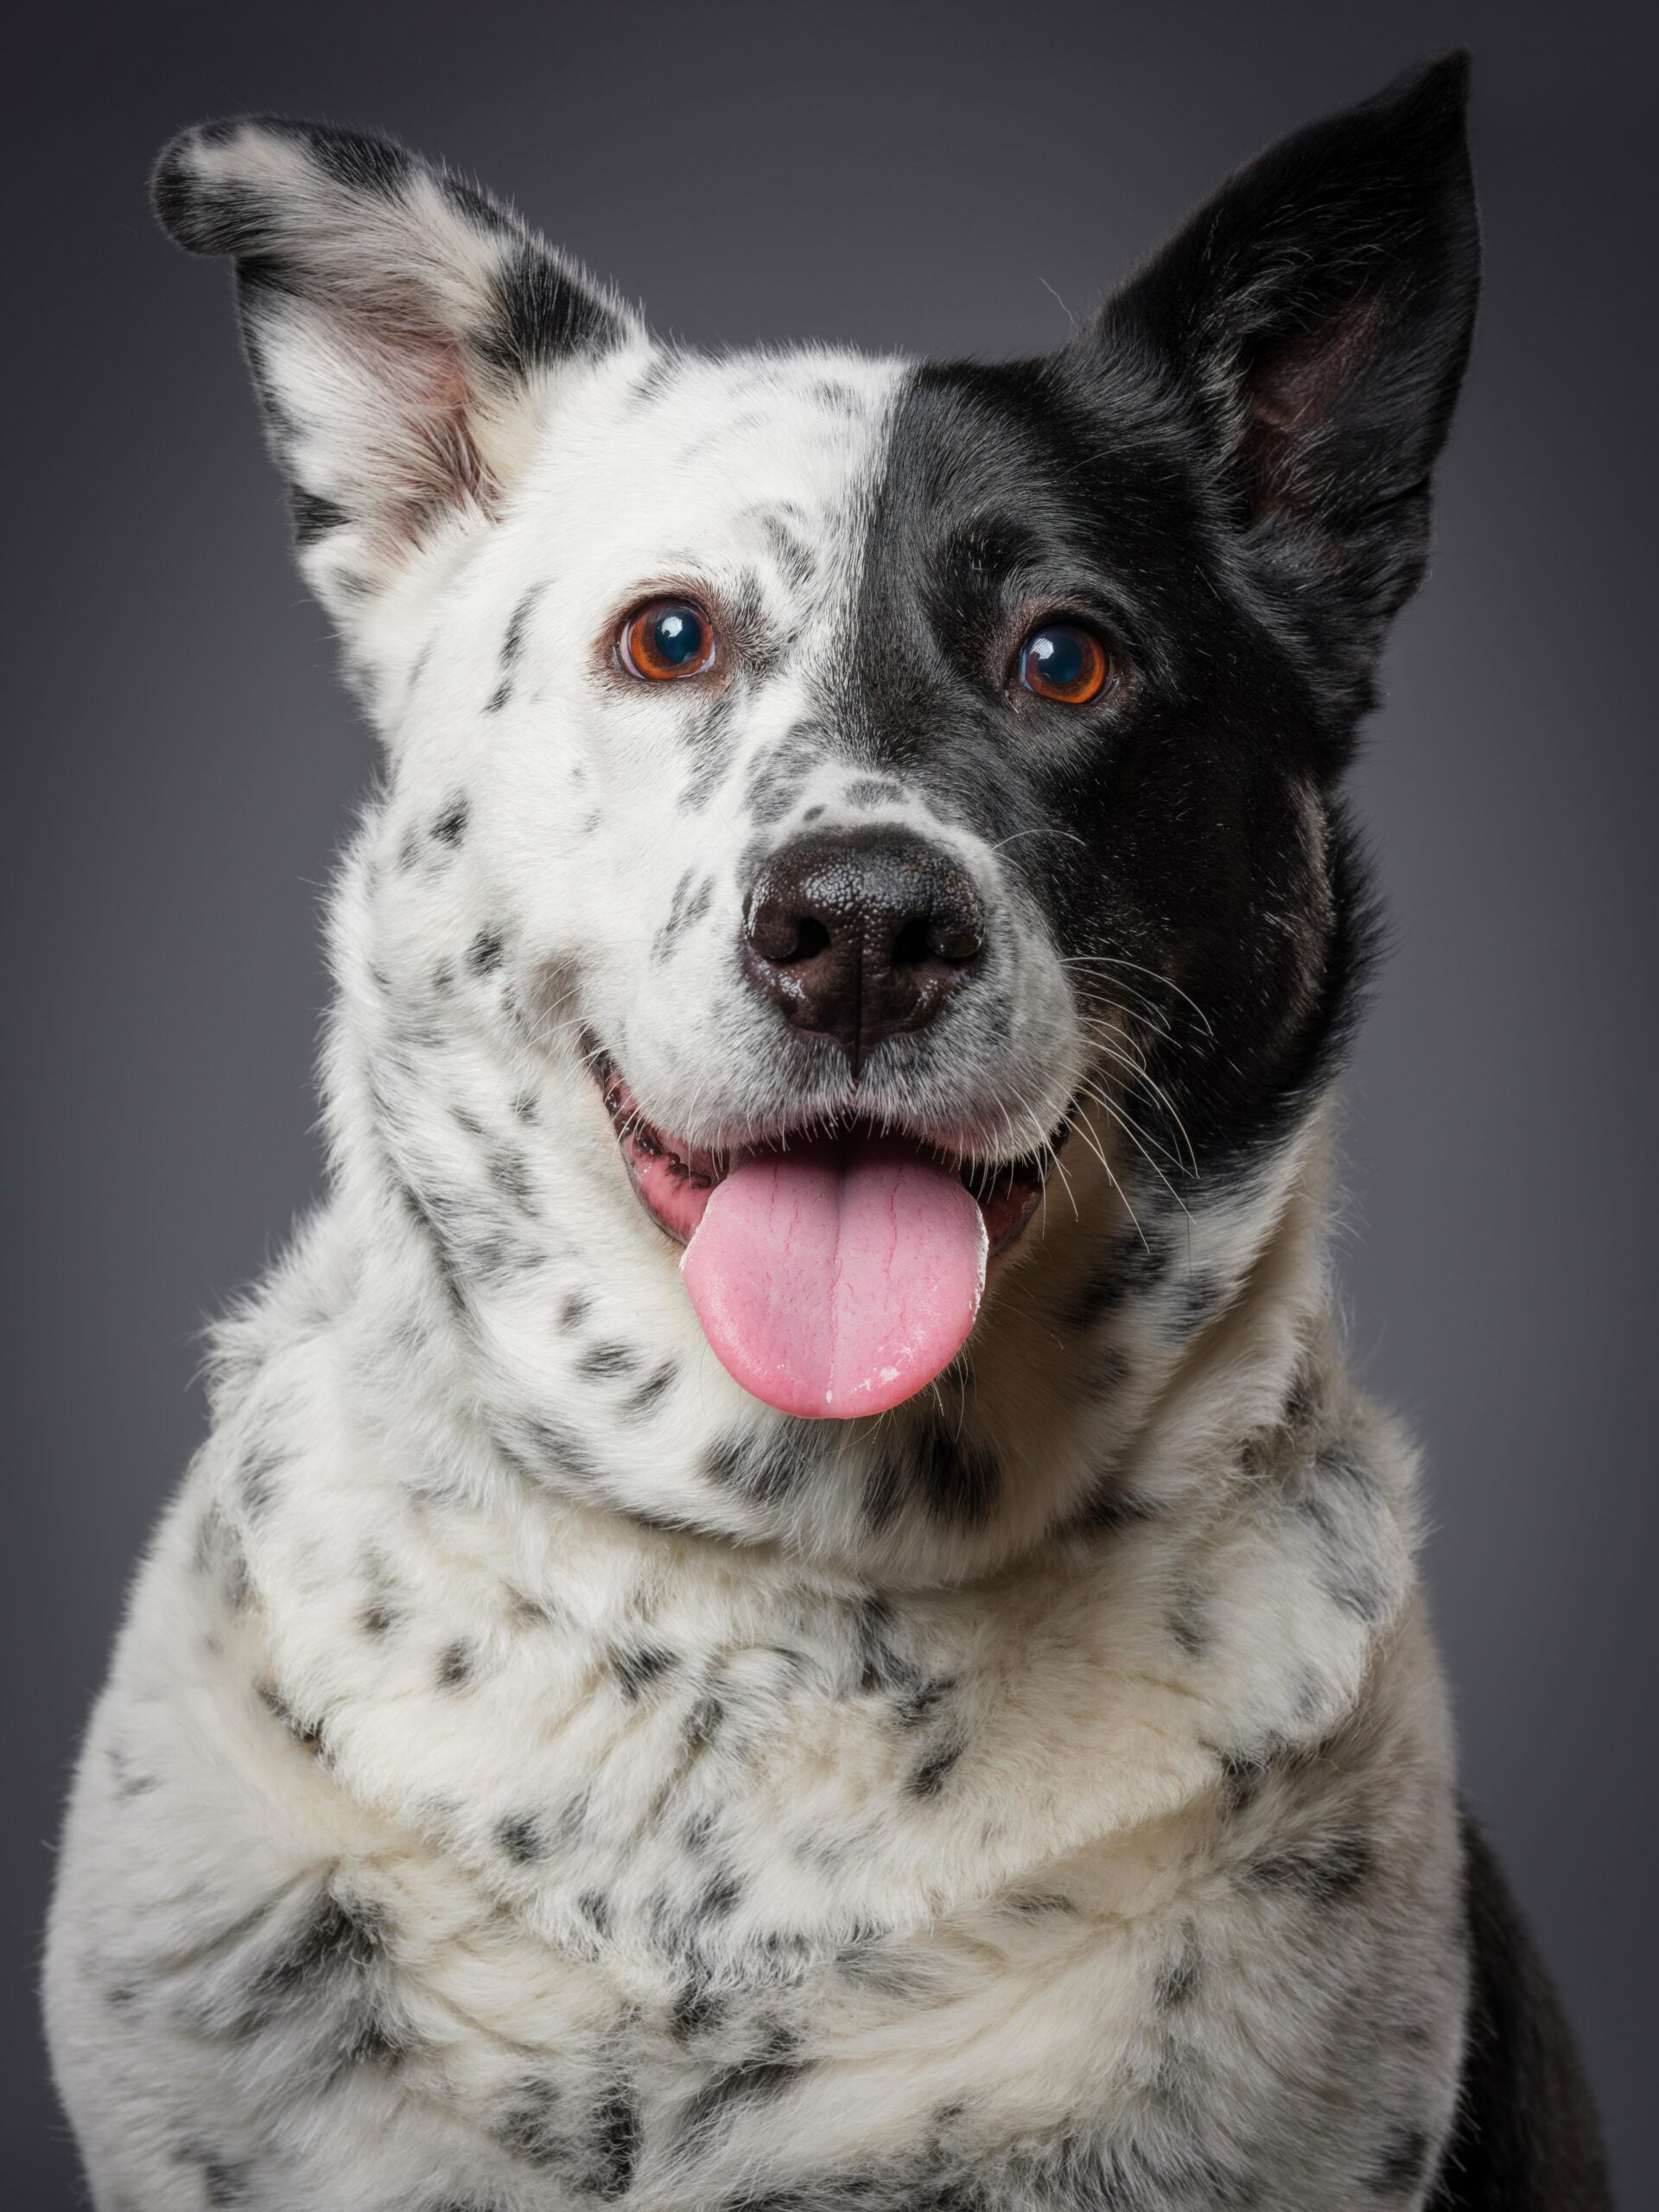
(829, 796)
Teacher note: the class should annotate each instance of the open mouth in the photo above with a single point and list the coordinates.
(836, 1271)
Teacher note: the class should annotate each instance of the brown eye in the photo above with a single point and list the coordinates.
(1064, 661)
(666, 638)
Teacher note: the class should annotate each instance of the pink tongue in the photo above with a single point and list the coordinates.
(834, 1282)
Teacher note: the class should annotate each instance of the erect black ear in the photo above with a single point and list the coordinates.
(404, 330)
(1317, 313)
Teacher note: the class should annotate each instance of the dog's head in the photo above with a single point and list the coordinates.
(879, 817)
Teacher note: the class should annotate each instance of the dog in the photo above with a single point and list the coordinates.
(788, 1607)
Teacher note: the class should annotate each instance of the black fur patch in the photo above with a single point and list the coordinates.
(928, 1777)
(762, 1467)
(331, 1977)
(719, 2103)
(615, 2142)
(513, 647)
(522, 1838)
(1401, 2165)
(450, 826)
(544, 313)
(640, 1665)
(1526, 2137)
(314, 516)
(1323, 1874)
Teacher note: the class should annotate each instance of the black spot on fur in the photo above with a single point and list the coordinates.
(513, 647)
(376, 167)
(797, 562)
(706, 732)
(1108, 1509)
(1401, 2165)
(1179, 1975)
(1187, 1624)
(333, 1971)
(641, 1399)
(601, 1361)
(1194, 1300)
(640, 1665)
(457, 1665)
(914, 1696)
(615, 2142)
(511, 1174)
(543, 313)
(959, 1478)
(1131, 1264)
(760, 1467)
(307, 1734)
(522, 1837)
(257, 1477)
(1324, 1874)
(574, 1310)
(719, 1898)
(450, 826)
(314, 516)
(927, 1779)
(530, 2129)
(1037, 1904)
(688, 904)
(558, 1447)
(778, 774)
(718, 2104)
(483, 954)
(697, 2009)
(1340, 1504)
(225, 2181)
(703, 1723)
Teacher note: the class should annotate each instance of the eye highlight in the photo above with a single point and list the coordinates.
(666, 639)
(1064, 661)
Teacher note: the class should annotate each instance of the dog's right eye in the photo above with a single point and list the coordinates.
(666, 638)
(1065, 662)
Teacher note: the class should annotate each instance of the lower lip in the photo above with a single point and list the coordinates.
(673, 1182)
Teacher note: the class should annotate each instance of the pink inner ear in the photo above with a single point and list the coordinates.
(1298, 383)
(419, 456)
(1295, 388)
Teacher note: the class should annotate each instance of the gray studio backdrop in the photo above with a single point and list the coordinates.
(936, 178)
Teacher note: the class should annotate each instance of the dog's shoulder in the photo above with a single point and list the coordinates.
(1526, 2139)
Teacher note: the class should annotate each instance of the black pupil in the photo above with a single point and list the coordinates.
(1059, 656)
(676, 635)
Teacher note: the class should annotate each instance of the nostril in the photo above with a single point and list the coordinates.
(784, 936)
(928, 939)
(913, 946)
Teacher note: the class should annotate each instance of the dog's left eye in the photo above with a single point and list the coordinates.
(664, 639)
(1064, 661)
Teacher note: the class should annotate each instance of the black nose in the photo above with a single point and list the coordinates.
(860, 936)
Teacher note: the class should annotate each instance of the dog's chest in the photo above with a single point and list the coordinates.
(651, 1872)
(667, 1878)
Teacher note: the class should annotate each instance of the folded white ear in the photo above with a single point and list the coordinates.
(403, 328)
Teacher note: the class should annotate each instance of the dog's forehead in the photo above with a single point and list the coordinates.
(690, 460)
